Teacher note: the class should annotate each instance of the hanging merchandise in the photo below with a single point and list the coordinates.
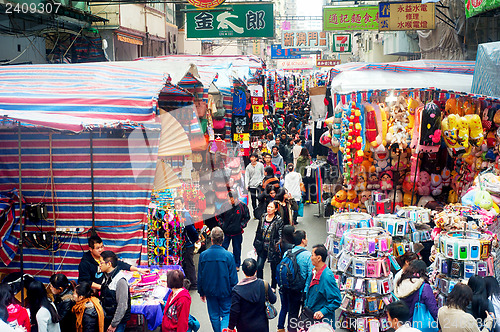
(164, 235)
(239, 101)
(364, 276)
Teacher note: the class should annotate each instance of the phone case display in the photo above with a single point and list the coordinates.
(416, 214)
(364, 278)
(405, 232)
(461, 255)
(165, 229)
(337, 224)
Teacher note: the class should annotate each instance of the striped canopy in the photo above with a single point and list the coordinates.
(113, 91)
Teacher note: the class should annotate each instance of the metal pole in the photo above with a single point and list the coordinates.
(21, 226)
(92, 178)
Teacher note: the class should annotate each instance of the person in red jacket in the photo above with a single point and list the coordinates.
(18, 315)
(176, 315)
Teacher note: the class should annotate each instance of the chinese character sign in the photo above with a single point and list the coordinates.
(342, 43)
(327, 63)
(245, 20)
(303, 39)
(350, 18)
(205, 4)
(406, 16)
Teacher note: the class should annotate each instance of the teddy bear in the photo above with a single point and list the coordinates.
(364, 197)
(352, 200)
(339, 200)
(367, 163)
(424, 184)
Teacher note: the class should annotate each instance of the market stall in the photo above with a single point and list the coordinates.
(85, 160)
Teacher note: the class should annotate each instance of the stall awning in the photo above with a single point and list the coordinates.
(123, 92)
(420, 74)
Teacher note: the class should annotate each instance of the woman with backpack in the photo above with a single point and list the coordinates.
(414, 287)
(267, 236)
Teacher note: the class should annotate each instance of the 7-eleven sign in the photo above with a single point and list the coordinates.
(342, 43)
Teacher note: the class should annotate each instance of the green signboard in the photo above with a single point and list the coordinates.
(474, 7)
(350, 18)
(244, 20)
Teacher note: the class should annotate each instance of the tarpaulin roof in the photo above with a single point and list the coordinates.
(487, 74)
(444, 75)
(106, 92)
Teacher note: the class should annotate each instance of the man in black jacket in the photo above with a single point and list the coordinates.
(88, 269)
(248, 308)
(233, 217)
(115, 294)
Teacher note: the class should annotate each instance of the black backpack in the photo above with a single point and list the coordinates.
(288, 272)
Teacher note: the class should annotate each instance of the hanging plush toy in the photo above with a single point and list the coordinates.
(339, 200)
(386, 180)
(475, 129)
(381, 161)
(367, 163)
(373, 182)
(412, 107)
(430, 128)
(371, 129)
(383, 123)
(360, 182)
(446, 176)
(436, 184)
(352, 201)
(424, 184)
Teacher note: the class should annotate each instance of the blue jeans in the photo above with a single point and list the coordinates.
(237, 240)
(218, 311)
(283, 311)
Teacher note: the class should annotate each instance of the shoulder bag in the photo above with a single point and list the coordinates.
(271, 311)
(422, 318)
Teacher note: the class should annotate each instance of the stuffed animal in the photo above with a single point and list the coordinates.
(436, 184)
(386, 180)
(371, 126)
(476, 129)
(398, 199)
(361, 182)
(373, 182)
(367, 163)
(381, 161)
(352, 200)
(407, 199)
(430, 126)
(446, 177)
(424, 184)
(364, 197)
(463, 132)
(339, 200)
(452, 196)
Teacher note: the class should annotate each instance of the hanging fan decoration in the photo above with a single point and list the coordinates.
(173, 139)
(165, 177)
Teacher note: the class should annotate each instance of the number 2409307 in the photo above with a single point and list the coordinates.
(40, 8)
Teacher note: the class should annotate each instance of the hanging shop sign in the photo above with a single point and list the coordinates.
(327, 63)
(474, 7)
(350, 18)
(342, 43)
(396, 16)
(205, 4)
(295, 64)
(303, 39)
(125, 38)
(244, 20)
(288, 53)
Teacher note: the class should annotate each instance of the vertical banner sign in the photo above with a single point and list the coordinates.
(303, 39)
(257, 100)
(397, 16)
(245, 20)
(350, 18)
(342, 43)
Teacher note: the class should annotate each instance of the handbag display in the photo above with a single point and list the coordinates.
(422, 317)
(271, 311)
(219, 124)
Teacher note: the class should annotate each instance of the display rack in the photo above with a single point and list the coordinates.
(336, 225)
(365, 279)
(461, 255)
